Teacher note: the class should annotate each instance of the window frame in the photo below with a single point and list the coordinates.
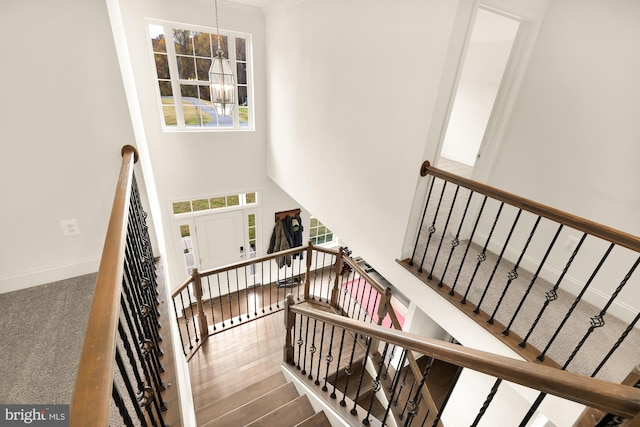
(176, 82)
(334, 238)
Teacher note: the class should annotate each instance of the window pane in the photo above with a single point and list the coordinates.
(181, 207)
(233, 200)
(322, 230)
(218, 202)
(165, 90)
(162, 65)
(182, 41)
(184, 231)
(252, 220)
(186, 67)
(250, 198)
(200, 205)
(224, 45)
(252, 234)
(202, 44)
(313, 232)
(157, 38)
(241, 49)
(241, 73)
(314, 222)
(169, 112)
(202, 68)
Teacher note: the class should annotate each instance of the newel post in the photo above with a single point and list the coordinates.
(289, 323)
(336, 283)
(202, 318)
(307, 279)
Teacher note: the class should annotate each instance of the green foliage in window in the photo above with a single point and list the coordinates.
(200, 205)
(181, 207)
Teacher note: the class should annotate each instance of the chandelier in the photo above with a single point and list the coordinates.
(221, 79)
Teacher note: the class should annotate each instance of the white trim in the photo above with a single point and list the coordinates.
(48, 275)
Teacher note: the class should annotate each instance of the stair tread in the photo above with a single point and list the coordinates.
(250, 411)
(319, 419)
(288, 414)
(217, 408)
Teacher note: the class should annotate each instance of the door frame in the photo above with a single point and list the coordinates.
(529, 14)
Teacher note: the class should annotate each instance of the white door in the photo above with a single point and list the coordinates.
(220, 239)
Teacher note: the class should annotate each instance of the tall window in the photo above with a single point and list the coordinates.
(182, 57)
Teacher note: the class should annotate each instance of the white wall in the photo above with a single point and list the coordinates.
(351, 85)
(64, 119)
(574, 139)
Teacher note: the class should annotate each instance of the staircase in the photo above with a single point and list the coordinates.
(269, 402)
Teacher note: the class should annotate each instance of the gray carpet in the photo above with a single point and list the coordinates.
(41, 331)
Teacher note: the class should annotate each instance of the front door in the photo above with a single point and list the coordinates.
(220, 239)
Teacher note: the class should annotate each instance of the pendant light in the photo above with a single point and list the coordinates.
(221, 79)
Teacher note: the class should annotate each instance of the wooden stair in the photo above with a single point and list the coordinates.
(268, 402)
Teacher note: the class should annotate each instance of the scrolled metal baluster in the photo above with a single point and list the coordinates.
(482, 256)
(238, 296)
(335, 379)
(306, 343)
(444, 232)
(495, 267)
(376, 385)
(317, 381)
(329, 359)
(229, 298)
(193, 316)
(312, 349)
(455, 242)
(575, 302)
(300, 342)
(353, 410)
(454, 381)
(466, 251)
(432, 228)
(220, 299)
(349, 371)
(424, 213)
(394, 387)
(551, 295)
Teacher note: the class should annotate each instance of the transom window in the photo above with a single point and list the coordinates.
(213, 203)
(182, 73)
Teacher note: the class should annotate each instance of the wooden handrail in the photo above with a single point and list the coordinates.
(247, 263)
(607, 233)
(613, 398)
(90, 404)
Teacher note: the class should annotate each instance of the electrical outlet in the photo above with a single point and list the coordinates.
(572, 243)
(70, 227)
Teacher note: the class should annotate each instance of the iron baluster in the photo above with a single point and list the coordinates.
(487, 402)
(186, 320)
(466, 251)
(482, 256)
(127, 383)
(229, 298)
(335, 379)
(432, 228)
(617, 344)
(349, 371)
(575, 302)
(454, 381)
(246, 292)
(193, 316)
(329, 359)
(375, 385)
(456, 240)
(122, 408)
(424, 213)
(353, 410)
(262, 285)
(211, 300)
(313, 348)
(444, 232)
(238, 296)
(306, 346)
(317, 381)
(598, 320)
(175, 309)
(551, 295)
(299, 342)
(495, 267)
(220, 298)
(533, 279)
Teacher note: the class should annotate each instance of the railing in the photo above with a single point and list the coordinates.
(217, 299)
(617, 399)
(525, 272)
(120, 361)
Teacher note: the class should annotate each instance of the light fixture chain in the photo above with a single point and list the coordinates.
(217, 25)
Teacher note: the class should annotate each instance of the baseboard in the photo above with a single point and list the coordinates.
(54, 274)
